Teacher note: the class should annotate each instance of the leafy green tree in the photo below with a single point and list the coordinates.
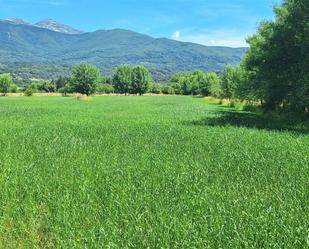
(122, 79)
(85, 78)
(210, 84)
(241, 87)
(141, 78)
(186, 84)
(277, 62)
(195, 79)
(228, 82)
(6, 81)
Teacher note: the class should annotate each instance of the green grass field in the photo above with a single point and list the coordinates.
(149, 172)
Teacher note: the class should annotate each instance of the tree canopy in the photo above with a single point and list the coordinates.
(277, 62)
(6, 82)
(122, 79)
(85, 78)
(141, 78)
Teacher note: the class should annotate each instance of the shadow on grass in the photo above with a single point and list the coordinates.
(269, 122)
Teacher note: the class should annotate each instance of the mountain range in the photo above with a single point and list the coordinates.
(48, 49)
(46, 24)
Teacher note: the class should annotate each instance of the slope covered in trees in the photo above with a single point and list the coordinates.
(46, 49)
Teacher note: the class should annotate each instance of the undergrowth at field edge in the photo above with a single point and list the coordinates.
(149, 172)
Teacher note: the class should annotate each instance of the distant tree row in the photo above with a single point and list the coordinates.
(87, 79)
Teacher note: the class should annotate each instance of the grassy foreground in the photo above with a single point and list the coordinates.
(149, 172)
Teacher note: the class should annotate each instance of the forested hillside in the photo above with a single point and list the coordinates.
(26, 46)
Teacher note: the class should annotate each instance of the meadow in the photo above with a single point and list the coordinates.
(150, 172)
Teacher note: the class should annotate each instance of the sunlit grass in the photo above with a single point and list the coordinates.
(149, 172)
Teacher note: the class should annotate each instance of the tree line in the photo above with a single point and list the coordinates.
(87, 79)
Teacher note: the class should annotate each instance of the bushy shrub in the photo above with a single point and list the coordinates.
(47, 86)
(13, 88)
(6, 82)
(66, 89)
(168, 89)
(31, 89)
(176, 88)
(105, 88)
(155, 88)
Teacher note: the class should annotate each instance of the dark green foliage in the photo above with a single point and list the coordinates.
(105, 88)
(128, 79)
(176, 88)
(155, 88)
(169, 89)
(235, 83)
(196, 83)
(189, 84)
(31, 89)
(24, 73)
(46, 86)
(85, 78)
(277, 62)
(109, 80)
(209, 84)
(178, 83)
(61, 82)
(122, 79)
(6, 82)
(13, 88)
(106, 49)
(141, 78)
(228, 82)
(66, 89)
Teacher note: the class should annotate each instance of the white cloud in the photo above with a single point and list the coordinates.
(226, 38)
(176, 35)
(216, 41)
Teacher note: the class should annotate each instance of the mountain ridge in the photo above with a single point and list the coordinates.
(28, 44)
(49, 24)
(58, 27)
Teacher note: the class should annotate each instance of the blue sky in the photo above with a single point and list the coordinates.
(208, 22)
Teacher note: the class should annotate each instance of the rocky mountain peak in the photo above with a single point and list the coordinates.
(58, 27)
